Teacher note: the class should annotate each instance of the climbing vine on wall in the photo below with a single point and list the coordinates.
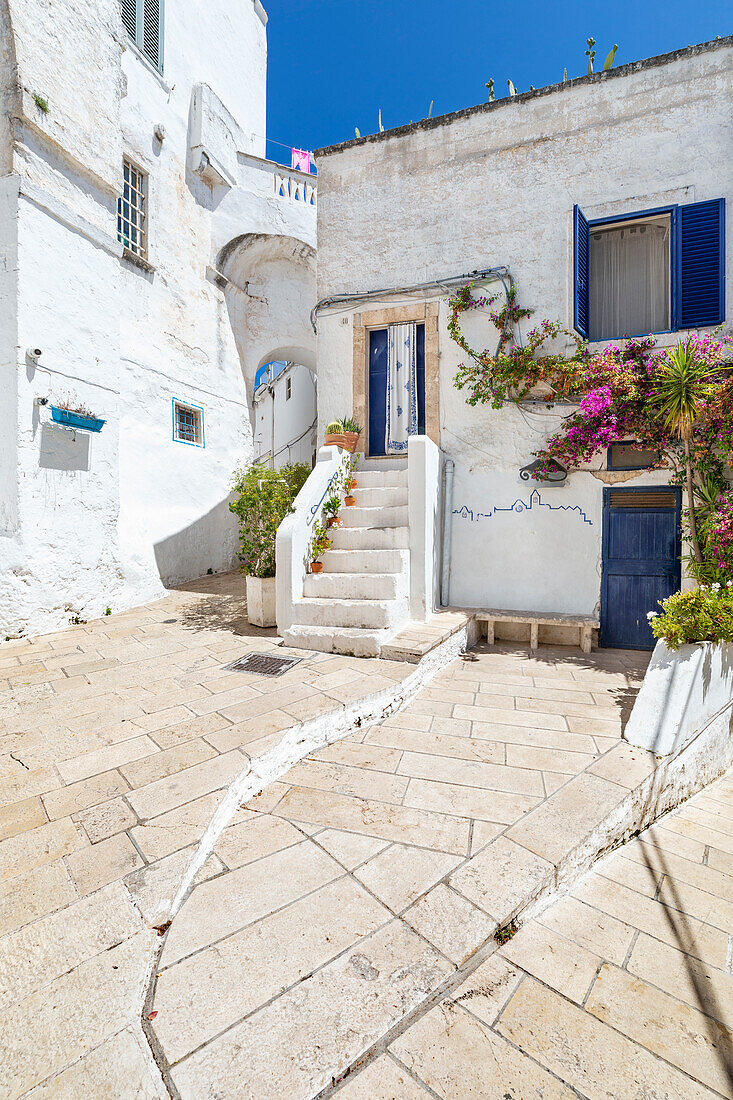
(516, 367)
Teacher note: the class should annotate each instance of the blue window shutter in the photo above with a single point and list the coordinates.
(700, 290)
(581, 240)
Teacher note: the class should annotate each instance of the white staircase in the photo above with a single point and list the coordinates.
(361, 599)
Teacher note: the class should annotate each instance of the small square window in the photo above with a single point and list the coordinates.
(132, 210)
(288, 388)
(627, 456)
(188, 424)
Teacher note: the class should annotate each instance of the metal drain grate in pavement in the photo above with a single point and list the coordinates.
(263, 664)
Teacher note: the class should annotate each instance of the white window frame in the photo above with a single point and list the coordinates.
(625, 222)
(197, 410)
(132, 209)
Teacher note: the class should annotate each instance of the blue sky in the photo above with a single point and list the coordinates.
(334, 63)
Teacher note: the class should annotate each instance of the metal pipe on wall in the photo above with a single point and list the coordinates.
(448, 469)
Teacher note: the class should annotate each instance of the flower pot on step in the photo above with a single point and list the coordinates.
(316, 567)
(335, 439)
(333, 521)
(261, 601)
(352, 438)
(349, 501)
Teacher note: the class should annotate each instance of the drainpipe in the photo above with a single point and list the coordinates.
(448, 468)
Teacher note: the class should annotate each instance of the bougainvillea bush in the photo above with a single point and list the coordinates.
(704, 615)
(675, 402)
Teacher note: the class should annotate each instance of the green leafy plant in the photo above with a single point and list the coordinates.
(41, 103)
(263, 499)
(332, 506)
(348, 424)
(320, 541)
(703, 615)
(345, 481)
(505, 933)
(108, 611)
(683, 387)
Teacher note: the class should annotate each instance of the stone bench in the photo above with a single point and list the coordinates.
(585, 624)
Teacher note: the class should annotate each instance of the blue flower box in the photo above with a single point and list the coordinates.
(76, 420)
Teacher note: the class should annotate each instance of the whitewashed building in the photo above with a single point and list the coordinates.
(151, 260)
(635, 165)
(285, 415)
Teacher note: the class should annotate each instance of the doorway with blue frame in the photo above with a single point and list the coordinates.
(379, 383)
(640, 561)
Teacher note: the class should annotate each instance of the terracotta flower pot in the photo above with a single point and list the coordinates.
(316, 567)
(336, 439)
(352, 438)
(353, 484)
(349, 501)
(333, 521)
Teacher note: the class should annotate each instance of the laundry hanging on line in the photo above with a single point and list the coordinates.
(300, 160)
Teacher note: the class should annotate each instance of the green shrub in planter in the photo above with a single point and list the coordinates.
(703, 615)
(264, 498)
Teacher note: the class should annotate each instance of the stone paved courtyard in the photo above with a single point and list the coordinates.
(355, 890)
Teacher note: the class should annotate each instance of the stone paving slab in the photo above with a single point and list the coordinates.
(341, 898)
(118, 741)
(581, 1004)
(424, 814)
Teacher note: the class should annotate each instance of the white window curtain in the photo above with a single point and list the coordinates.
(629, 280)
(401, 387)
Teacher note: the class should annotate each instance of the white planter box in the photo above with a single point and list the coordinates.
(682, 690)
(261, 601)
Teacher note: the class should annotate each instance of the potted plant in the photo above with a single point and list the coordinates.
(352, 431)
(263, 498)
(320, 543)
(690, 676)
(348, 482)
(72, 413)
(331, 508)
(334, 436)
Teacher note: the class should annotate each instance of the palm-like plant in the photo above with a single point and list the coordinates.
(683, 386)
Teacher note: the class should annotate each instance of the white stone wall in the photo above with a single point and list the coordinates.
(497, 187)
(286, 427)
(90, 522)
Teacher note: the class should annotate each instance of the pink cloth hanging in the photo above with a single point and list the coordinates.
(301, 160)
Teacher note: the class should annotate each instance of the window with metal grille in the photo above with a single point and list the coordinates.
(143, 21)
(188, 424)
(132, 213)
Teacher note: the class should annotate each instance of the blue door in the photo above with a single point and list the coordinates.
(641, 562)
(378, 387)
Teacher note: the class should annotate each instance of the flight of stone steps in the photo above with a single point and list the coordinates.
(361, 599)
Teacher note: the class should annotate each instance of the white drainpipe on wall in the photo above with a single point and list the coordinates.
(447, 529)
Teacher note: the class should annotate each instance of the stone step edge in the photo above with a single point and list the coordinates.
(394, 651)
(673, 780)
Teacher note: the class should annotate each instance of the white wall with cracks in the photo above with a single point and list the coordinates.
(496, 185)
(88, 522)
